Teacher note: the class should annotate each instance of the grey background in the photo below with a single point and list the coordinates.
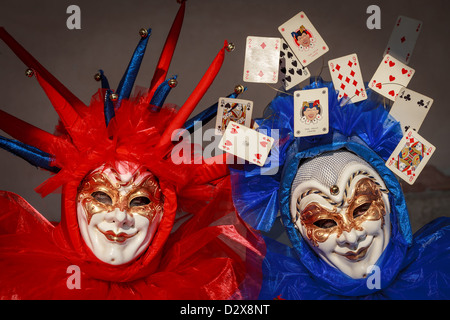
(109, 34)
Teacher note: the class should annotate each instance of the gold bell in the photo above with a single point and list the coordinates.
(239, 89)
(143, 33)
(98, 76)
(334, 190)
(29, 72)
(173, 83)
(230, 47)
(113, 97)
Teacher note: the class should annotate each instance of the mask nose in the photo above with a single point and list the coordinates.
(350, 239)
(120, 218)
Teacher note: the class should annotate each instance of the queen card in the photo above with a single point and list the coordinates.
(311, 112)
(237, 110)
(303, 38)
(410, 156)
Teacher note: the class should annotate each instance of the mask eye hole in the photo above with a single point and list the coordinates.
(102, 197)
(359, 211)
(139, 201)
(325, 223)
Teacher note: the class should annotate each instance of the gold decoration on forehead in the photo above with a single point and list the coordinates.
(99, 181)
(366, 204)
(346, 190)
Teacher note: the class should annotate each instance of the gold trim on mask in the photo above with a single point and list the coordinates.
(366, 204)
(99, 182)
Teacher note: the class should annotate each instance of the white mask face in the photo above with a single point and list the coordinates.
(119, 210)
(347, 225)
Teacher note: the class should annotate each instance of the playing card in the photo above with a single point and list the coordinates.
(311, 112)
(303, 38)
(347, 78)
(410, 109)
(262, 59)
(403, 38)
(390, 77)
(246, 143)
(292, 71)
(237, 110)
(410, 156)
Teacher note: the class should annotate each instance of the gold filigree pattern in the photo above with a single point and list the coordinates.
(366, 204)
(99, 182)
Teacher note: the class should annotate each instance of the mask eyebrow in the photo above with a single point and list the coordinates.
(349, 182)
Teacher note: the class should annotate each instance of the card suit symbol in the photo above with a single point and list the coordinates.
(403, 39)
(260, 73)
(228, 143)
(294, 63)
(420, 103)
(391, 78)
(342, 86)
(392, 93)
(338, 67)
(340, 76)
(391, 64)
(404, 71)
(408, 97)
(352, 73)
(288, 79)
(299, 71)
(347, 79)
(357, 92)
(285, 46)
(283, 70)
(378, 85)
(282, 54)
(350, 64)
(263, 143)
(234, 131)
(258, 156)
(263, 45)
(290, 55)
(291, 71)
(355, 83)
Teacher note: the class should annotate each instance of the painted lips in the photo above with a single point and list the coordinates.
(112, 236)
(355, 256)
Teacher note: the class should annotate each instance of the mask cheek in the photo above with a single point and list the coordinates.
(380, 238)
(145, 232)
(326, 249)
(88, 225)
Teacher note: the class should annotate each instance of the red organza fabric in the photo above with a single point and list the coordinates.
(201, 250)
(213, 255)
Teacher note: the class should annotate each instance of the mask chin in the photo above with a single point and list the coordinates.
(340, 206)
(119, 211)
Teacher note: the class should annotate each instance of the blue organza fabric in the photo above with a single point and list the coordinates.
(411, 267)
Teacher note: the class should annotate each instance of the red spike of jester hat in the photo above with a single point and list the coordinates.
(134, 224)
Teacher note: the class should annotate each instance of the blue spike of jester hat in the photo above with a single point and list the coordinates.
(261, 194)
(43, 160)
